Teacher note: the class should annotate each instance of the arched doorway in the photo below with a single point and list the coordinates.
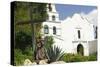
(80, 49)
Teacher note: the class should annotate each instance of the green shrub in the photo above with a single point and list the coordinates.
(93, 57)
(23, 47)
(29, 53)
(54, 53)
(49, 41)
(22, 40)
(19, 57)
(77, 58)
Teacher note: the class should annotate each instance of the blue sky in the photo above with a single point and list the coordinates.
(68, 10)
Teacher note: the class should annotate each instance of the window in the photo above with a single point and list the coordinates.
(50, 9)
(47, 17)
(96, 32)
(53, 18)
(54, 30)
(79, 34)
(46, 29)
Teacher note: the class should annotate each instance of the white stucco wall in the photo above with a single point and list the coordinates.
(92, 46)
(70, 26)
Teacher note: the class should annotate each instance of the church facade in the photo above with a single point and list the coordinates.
(73, 35)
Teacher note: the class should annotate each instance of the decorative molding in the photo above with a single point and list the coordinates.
(79, 41)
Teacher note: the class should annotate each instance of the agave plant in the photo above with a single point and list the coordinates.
(54, 53)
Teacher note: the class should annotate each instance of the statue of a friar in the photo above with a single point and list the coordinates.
(40, 52)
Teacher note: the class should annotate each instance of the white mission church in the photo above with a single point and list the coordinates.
(72, 35)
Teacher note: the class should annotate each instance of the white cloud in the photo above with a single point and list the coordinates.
(92, 16)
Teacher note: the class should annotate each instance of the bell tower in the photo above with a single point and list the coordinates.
(52, 13)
